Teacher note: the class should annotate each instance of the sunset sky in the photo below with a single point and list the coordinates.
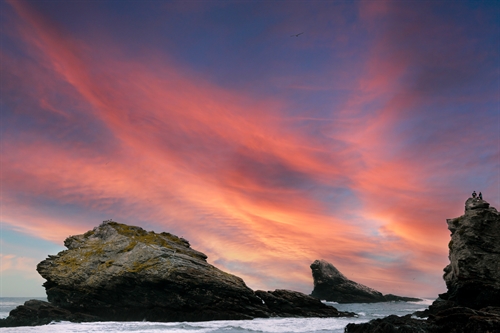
(352, 142)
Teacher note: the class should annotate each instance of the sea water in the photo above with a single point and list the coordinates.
(365, 312)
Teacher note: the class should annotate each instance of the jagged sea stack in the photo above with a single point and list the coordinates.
(473, 275)
(472, 302)
(331, 285)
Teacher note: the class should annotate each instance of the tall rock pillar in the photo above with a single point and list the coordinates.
(473, 275)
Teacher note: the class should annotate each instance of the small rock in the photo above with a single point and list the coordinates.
(333, 286)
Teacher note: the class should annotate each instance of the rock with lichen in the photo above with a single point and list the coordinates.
(118, 272)
(473, 275)
(472, 302)
(122, 272)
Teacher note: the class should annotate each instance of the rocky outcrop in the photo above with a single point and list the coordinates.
(472, 302)
(473, 275)
(452, 320)
(123, 273)
(35, 312)
(392, 324)
(286, 303)
(333, 286)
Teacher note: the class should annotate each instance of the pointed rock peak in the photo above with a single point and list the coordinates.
(331, 285)
(322, 268)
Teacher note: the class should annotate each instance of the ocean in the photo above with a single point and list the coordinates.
(366, 312)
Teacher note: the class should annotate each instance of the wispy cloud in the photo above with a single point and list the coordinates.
(365, 180)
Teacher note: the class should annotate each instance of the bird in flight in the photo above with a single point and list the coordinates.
(297, 35)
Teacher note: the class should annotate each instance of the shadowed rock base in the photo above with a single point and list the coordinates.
(35, 312)
(453, 320)
(286, 303)
(392, 324)
(278, 303)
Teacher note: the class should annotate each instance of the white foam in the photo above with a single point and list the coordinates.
(269, 325)
(365, 312)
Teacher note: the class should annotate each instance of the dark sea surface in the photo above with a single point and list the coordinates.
(365, 313)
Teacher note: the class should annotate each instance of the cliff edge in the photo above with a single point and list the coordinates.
(472, 301)
(473, 275)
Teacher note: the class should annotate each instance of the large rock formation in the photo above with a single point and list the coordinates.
(473, 275)
(331, 285)
(472, 302)
(121, 272)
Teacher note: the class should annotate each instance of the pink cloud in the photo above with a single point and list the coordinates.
(11, 262)
(235, 176)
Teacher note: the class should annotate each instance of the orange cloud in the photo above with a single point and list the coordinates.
(258, 191)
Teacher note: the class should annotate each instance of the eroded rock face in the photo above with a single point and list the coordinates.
(471, 304)
(331, 285)
(123, 273)
(473, 275)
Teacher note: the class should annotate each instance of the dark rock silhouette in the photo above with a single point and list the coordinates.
(452, 320)
(472, 302)
(286, 303)
(331, 285)
(395, 298)
(118, 272)
(392, 324)
(35, 312)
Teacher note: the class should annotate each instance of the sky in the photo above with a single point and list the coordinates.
(267, 133)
